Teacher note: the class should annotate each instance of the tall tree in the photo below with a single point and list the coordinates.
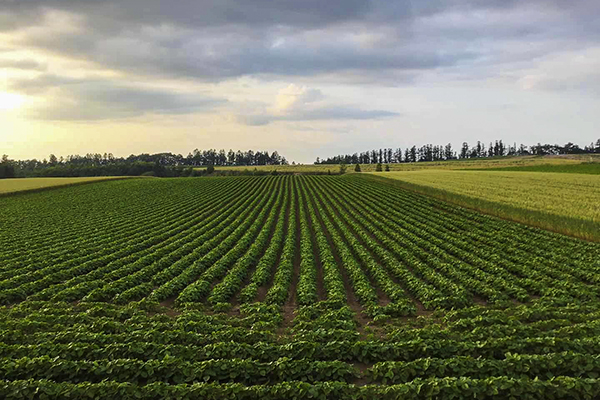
(413, 154)
(464, 150)
(52, 160)
(448, 152)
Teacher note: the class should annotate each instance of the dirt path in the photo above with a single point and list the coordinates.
(169, 304)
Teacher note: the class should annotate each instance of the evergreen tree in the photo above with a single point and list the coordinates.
(357, 168)
(464, 150)
(413, 154)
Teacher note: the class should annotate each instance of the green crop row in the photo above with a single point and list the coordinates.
(175, 371)
(435, 388)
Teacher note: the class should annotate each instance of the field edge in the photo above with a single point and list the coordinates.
(63, 185)
(575, 227)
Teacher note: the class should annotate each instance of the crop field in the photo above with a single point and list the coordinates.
(288, 287)
(31, 184)
(591, 168)
(564, 202)
(563, 163)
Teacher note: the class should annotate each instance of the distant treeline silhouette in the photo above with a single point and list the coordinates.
(431, 152)
(160, 164)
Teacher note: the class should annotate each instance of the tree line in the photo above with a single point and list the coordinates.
(160, 164)
(431, 152)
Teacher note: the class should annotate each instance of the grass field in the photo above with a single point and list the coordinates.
(485, 163)
(567, 203)
(592, 168)
(28, 184)
(280, 287)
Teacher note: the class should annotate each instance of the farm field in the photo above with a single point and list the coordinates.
(565, 202)
(280, 287)
(553, 162)
(592, 168)
(29, 184)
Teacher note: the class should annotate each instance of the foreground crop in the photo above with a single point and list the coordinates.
(288, 287)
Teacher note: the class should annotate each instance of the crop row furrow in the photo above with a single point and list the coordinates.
(101, 281)
(174, 279)
(235, 277)
(90, 239)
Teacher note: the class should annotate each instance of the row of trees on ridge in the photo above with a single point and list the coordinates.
(431, 152)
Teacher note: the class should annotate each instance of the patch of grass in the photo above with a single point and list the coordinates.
(10, 186)
(565, 203)
(592, 168)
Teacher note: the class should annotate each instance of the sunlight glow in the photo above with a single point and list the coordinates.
(10, 101)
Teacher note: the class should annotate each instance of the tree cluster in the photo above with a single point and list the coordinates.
(222, 158)
(160, 164)
(431, 152)
(7, 169)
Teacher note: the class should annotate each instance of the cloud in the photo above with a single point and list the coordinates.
(340, 112)
(295, 96)
(301, 103)
(22, 64)
(191, 13)
(345, 41)
(566, 72)
(355, 64)
(43, 83)
(215, 41)
(75, 99)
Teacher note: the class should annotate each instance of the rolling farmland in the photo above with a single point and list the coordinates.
(280, 287)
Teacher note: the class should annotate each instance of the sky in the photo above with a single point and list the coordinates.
(306, 78)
